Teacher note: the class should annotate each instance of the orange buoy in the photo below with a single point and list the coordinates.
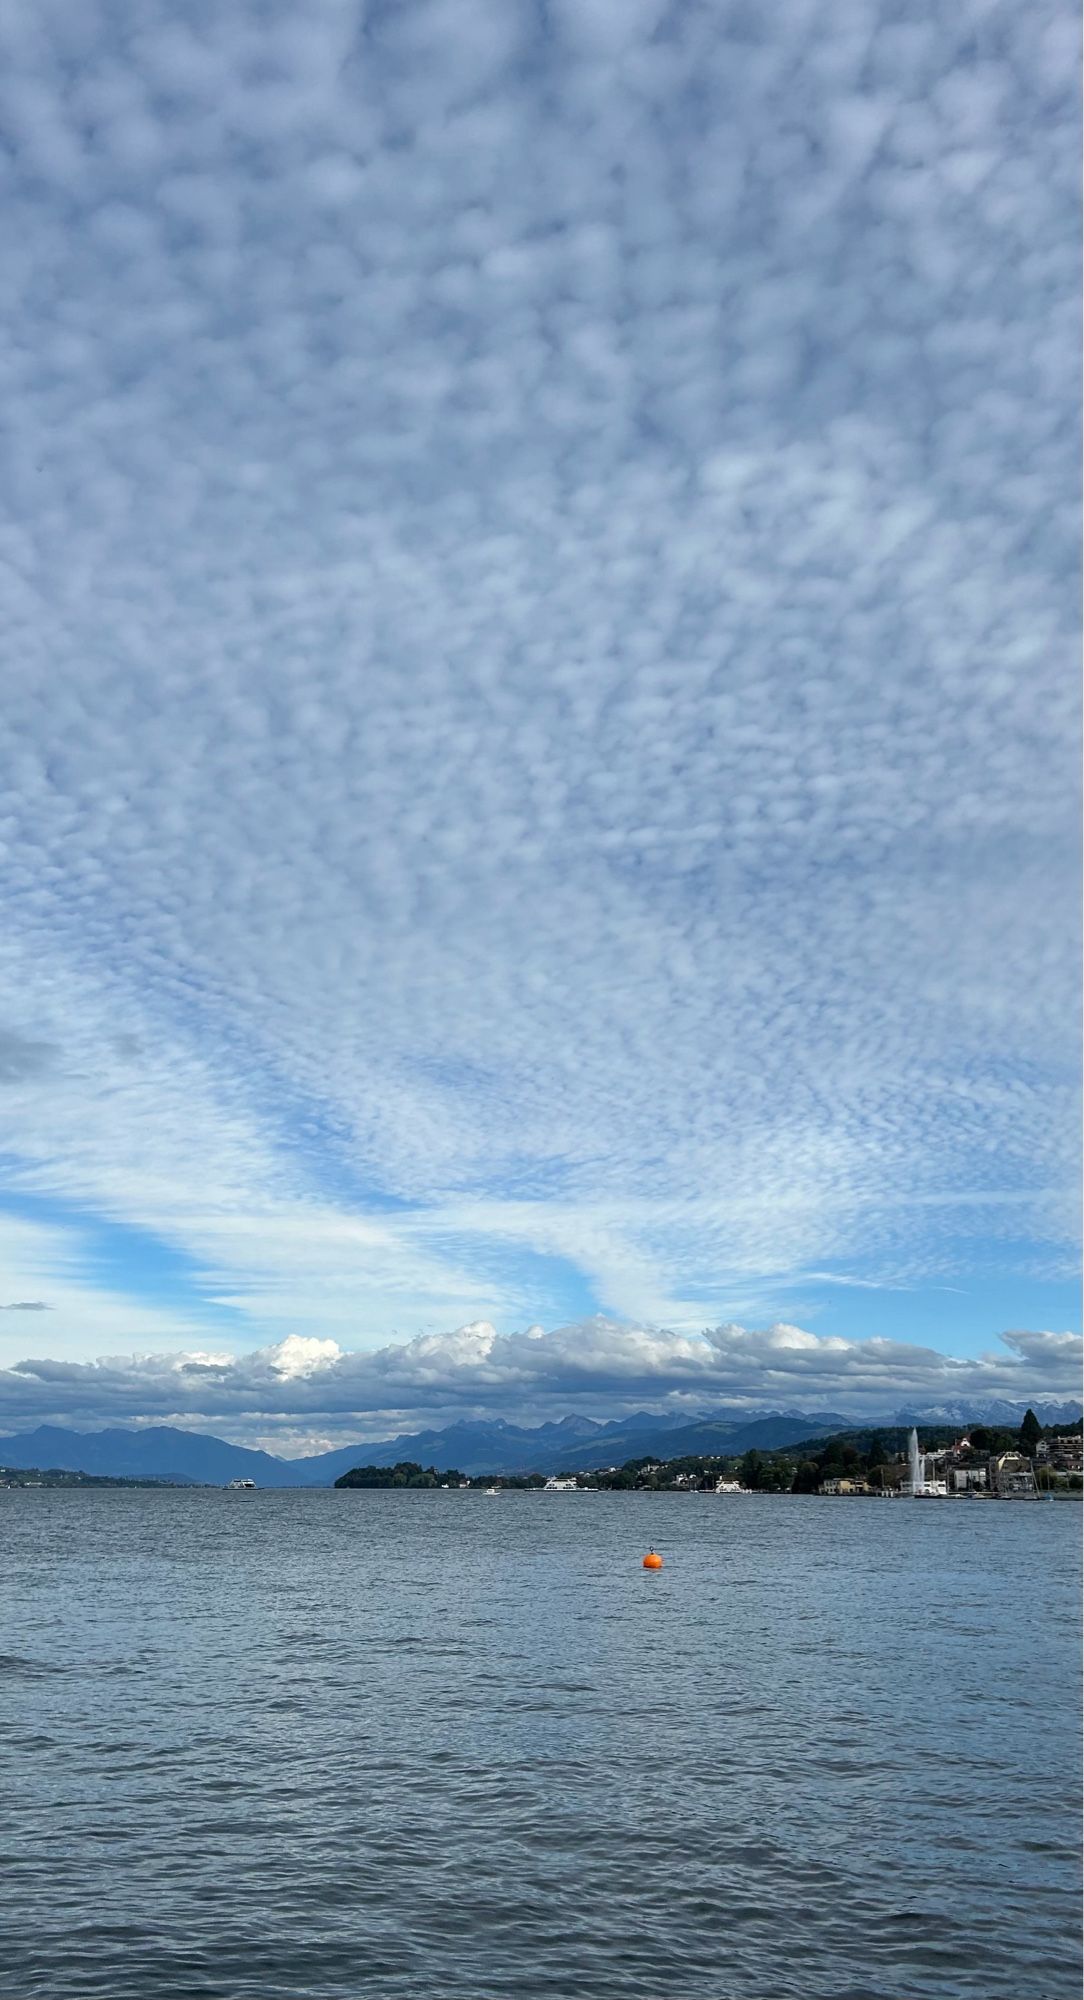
(652, 1560)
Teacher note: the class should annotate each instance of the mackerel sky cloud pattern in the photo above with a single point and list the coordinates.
(539, 742)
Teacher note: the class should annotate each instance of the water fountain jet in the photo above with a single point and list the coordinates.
(918, 1487)
(917, 1465)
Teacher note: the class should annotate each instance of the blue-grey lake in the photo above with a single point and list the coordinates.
(334, 1745)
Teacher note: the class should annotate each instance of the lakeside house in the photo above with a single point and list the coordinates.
(1011, 1475)
(968, 1479)
(1061, 1454)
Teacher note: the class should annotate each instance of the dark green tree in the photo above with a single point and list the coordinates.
(876, 1451)
(780, 1473)
(1031, 1431)
(751, 1470)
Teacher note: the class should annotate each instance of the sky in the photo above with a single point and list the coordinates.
(539, 819)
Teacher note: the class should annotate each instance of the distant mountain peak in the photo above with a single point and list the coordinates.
(486, 1444)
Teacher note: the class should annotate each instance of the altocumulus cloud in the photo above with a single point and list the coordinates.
(597, 1365)
(536, 551)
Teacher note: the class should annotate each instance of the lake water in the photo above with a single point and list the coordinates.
(328, 1746)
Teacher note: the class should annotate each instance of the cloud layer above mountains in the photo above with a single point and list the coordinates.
(537, 548)
(305, 1388)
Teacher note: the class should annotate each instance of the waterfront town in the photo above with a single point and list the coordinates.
(959, 1469)
(975, 1465)
(981, 1463)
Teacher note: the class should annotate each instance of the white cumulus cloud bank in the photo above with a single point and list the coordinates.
(599, 1366)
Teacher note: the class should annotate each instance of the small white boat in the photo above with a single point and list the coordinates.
(492, 1489)
(241, 1486)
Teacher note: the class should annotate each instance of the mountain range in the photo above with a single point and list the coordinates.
(571, 1444)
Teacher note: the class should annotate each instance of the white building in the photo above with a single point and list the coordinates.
(968, 1479)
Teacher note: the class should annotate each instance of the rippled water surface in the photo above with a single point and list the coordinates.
(442, 1745)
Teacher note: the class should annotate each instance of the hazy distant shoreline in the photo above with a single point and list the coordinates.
(20, 1479)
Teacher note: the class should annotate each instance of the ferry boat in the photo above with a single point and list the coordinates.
(241, 1486)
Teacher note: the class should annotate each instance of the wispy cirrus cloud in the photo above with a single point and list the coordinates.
(539, 749)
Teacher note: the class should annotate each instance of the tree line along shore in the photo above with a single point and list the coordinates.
(871, 1461)
(58, 1475)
